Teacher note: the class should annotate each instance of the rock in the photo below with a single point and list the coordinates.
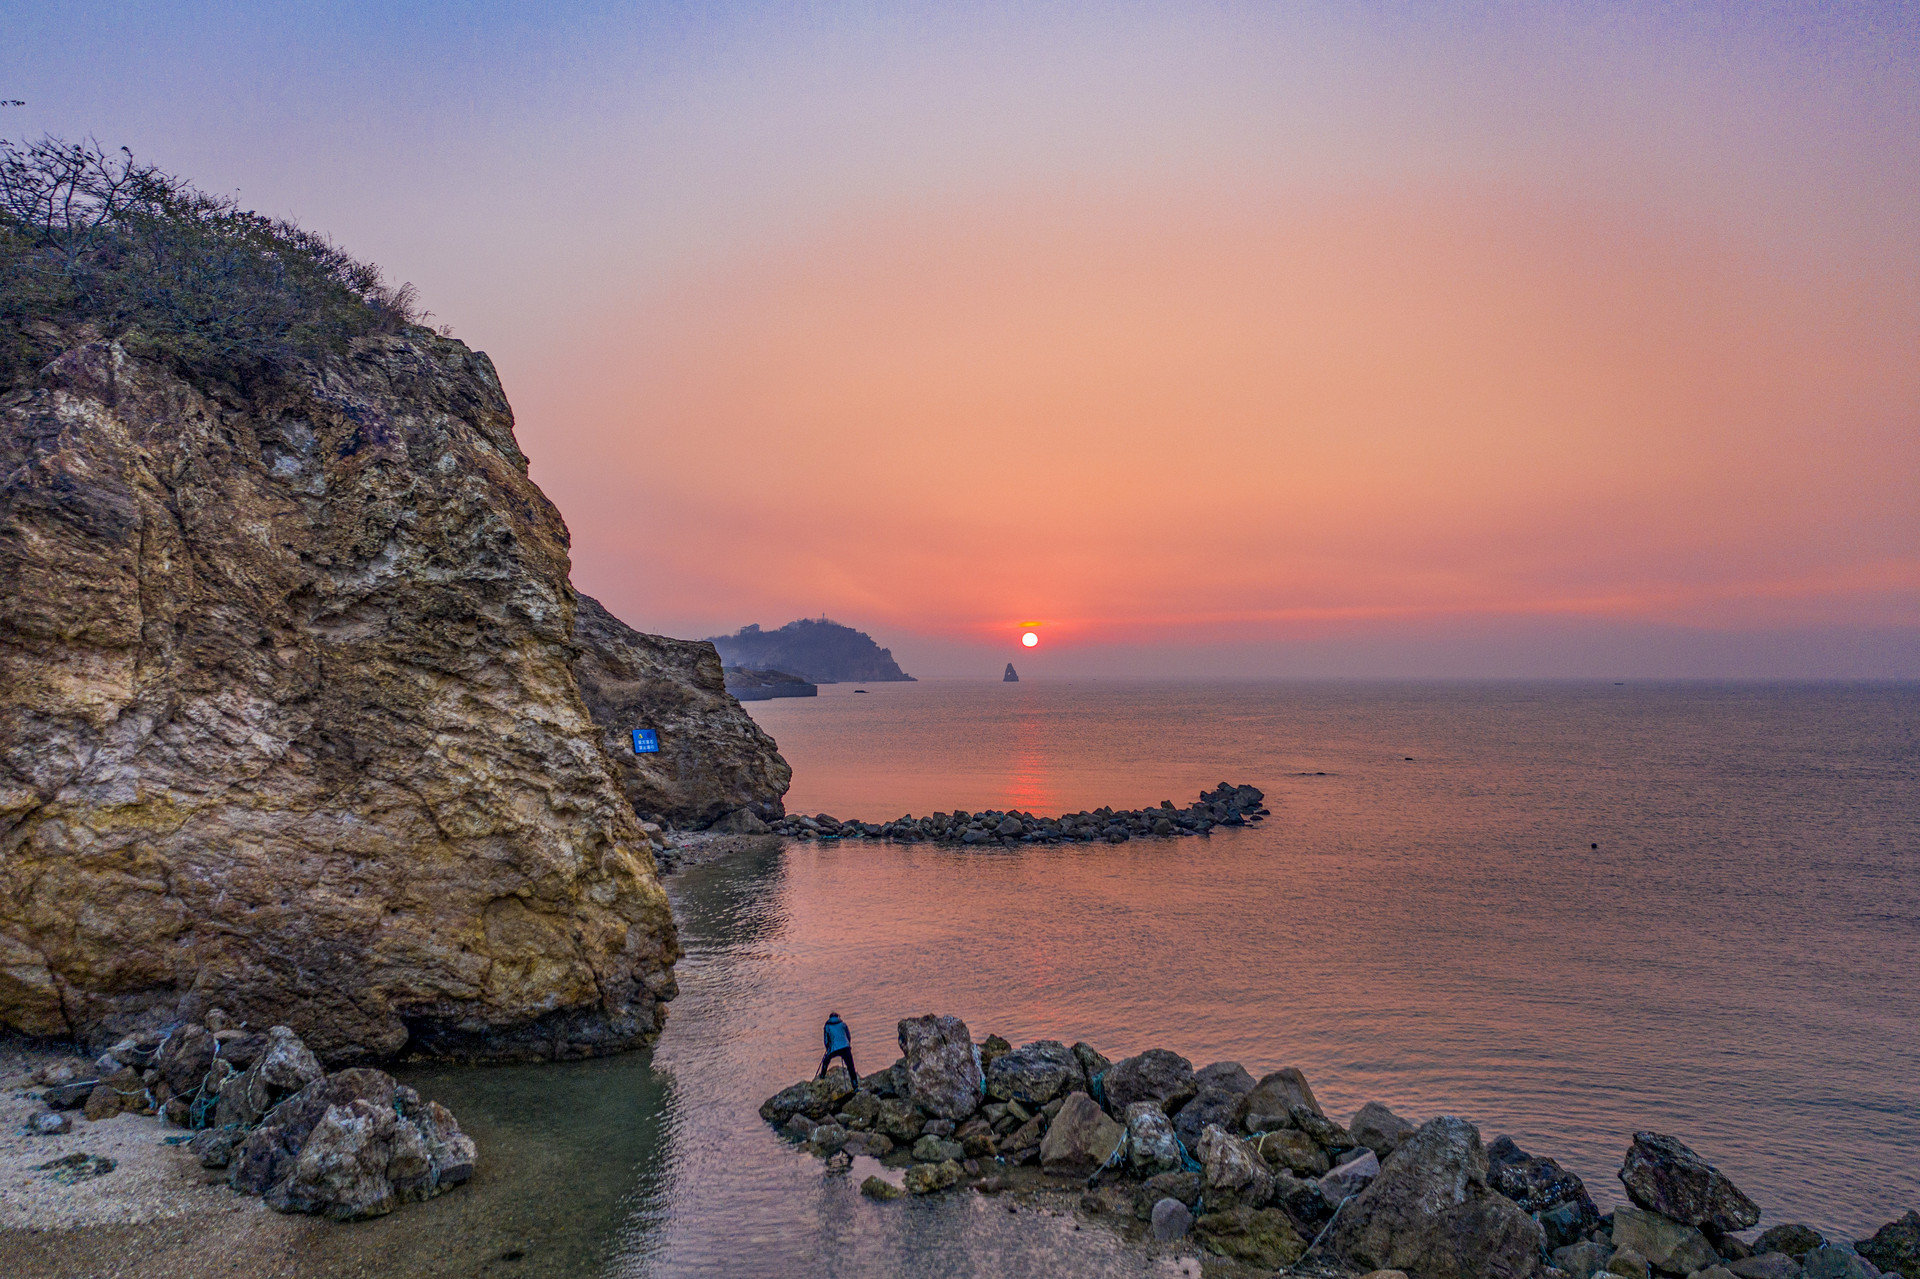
(1431, 1213)
(1627, 1262)
(1335, 1140)
(1151, 1145)
(828, 1138)
(943, 1068)
(1565, 1211)
(925, 1179)
(1584, 1259)
(880, 1188)
(1379, 1129)
(1275, 1096)
(1302, 1201)
(1794, 1240)
(1829, 1261)
(1081, 1137)
(69, 1096)
(1092, 1065)
(1217, 1090)
(991, 1047)
(1025, 1138)
(54, 1072)
(50, 1123)
(185, 1056)
(320, 621)
(1034, 1074)
(976, 1138)
(215, 1146)
(1155, 1075)
(1385, 1274)
(283, 1068)
(741, 821)
(1712, 1272)
(1668, 1245)
(122, 1090)
(1350, 1178)
(1293, 1150)
(876, 1145)
(798, 1127)
(839, 1161)
(341, 1170)
(1766, 1265)
(1262, 1237)
(1231, 1173)
(935, 1150)
(1171, 1220)
(1895, 1247)
(1662, 1175)
(270, 1150)
(716, 767)
(898, 1120)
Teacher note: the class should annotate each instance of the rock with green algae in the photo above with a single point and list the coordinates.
(880, 1188)
(1262, 1237)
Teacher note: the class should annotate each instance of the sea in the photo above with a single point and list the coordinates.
(1565, 911)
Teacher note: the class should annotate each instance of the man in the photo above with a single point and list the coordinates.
(839, 1042)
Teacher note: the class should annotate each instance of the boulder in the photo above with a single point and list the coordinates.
(1673, 1247)
(1584, 1259)
(1262, 1237)
(214, 1147)
(899, 1120)
(1895, 1247)
(1151, 1145)
(942, 1066)
(1231, 1172)
(1034, 1074)
(1431, 1213)
(1171, 1220)
(880, 1188)
(976, 1138)
(341, 1170)
(827, 1139)
(293, 659)
(1217, 1090)
(184, 1058)
(1792, 1239)
(1350, 1178)
(267, 1155)
(283, 1067)
(925, 1179)
(69, 1096)
(1379, 1129)
(1275, 1097)
(1092, 1063)
(1662, 1175)
(1156, 1075)
(1081, 1137)
(1541, 1186)
(991, 1047)
(1293, 1150)
(1629, 1264)
(935, 1150)
(1302, 1201)
(1830, 1261)
(1766, 1265)
(873, 1144)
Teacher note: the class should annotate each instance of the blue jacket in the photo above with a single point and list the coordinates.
(835, 1034)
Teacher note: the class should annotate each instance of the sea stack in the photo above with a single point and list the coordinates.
(1012, 676)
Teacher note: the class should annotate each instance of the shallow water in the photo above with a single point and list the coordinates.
(1733, 964)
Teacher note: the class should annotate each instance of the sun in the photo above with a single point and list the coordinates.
(1029, 639)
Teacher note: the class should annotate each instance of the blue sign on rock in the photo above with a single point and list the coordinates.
(646, 742)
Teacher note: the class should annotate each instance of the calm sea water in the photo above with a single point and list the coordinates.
(1424, 921)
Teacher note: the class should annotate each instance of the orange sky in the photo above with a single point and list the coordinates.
(1555, 339)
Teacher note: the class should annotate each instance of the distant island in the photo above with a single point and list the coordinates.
(817, 650)
(764, 686)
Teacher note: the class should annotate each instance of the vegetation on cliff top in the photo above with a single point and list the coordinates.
(816, 649)
(96, 243)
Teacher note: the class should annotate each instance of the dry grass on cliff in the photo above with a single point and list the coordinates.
(94, 241)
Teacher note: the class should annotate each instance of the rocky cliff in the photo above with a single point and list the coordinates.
(713, 759)
(291, 718)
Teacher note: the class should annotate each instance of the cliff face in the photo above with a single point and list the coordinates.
(289, 721)
(713, 759)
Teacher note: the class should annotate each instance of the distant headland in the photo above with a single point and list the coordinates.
(815, 649)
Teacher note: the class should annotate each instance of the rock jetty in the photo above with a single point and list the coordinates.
(1255, 1170)
(1224, 805)
(346, 1145)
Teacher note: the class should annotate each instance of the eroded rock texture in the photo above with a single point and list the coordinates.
(713, 759)
(289, 721)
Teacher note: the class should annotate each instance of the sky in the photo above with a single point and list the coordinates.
(1202, 339)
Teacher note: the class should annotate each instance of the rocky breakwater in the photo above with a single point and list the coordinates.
(1255, 1170)
(300, 716)
(1224, 805)
(346, 1145)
